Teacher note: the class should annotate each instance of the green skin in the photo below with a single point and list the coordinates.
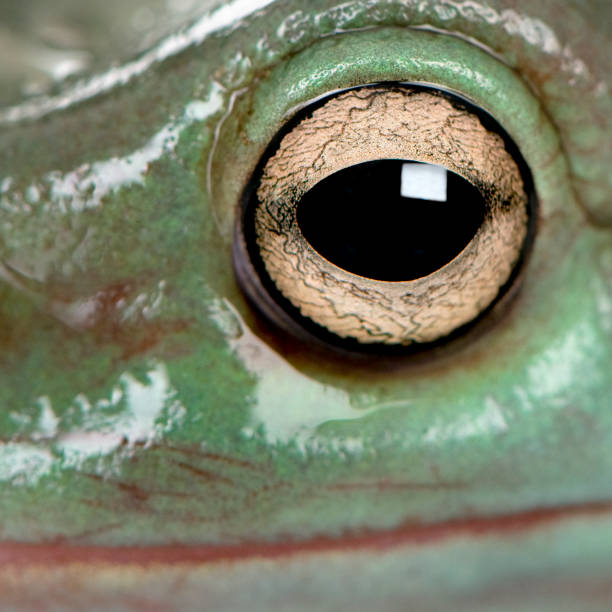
(144, 402)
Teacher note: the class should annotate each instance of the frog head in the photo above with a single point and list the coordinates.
(166, 435)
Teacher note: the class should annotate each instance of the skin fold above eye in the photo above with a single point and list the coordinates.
(143, 401)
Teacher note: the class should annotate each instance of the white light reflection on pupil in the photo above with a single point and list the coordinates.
(424, 182)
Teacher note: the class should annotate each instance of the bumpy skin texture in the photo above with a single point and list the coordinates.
(370, 124)
(143, 402)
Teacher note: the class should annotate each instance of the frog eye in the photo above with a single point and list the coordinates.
(386, 215)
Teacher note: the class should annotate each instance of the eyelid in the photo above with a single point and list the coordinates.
(400, 55)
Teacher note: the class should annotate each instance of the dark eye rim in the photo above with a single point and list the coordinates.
(261, 292)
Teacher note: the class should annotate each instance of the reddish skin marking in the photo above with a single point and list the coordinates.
(136, 337)
(149, 336)
(204, 474)
(215, 457)
(134, 491)
(23, 554)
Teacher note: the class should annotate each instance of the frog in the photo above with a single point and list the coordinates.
(163, 445)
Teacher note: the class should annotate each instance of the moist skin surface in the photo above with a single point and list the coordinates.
(144, 403)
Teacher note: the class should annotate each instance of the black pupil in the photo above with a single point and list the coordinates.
(391, 220)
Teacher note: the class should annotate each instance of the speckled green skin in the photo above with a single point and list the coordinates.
(142, 401)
